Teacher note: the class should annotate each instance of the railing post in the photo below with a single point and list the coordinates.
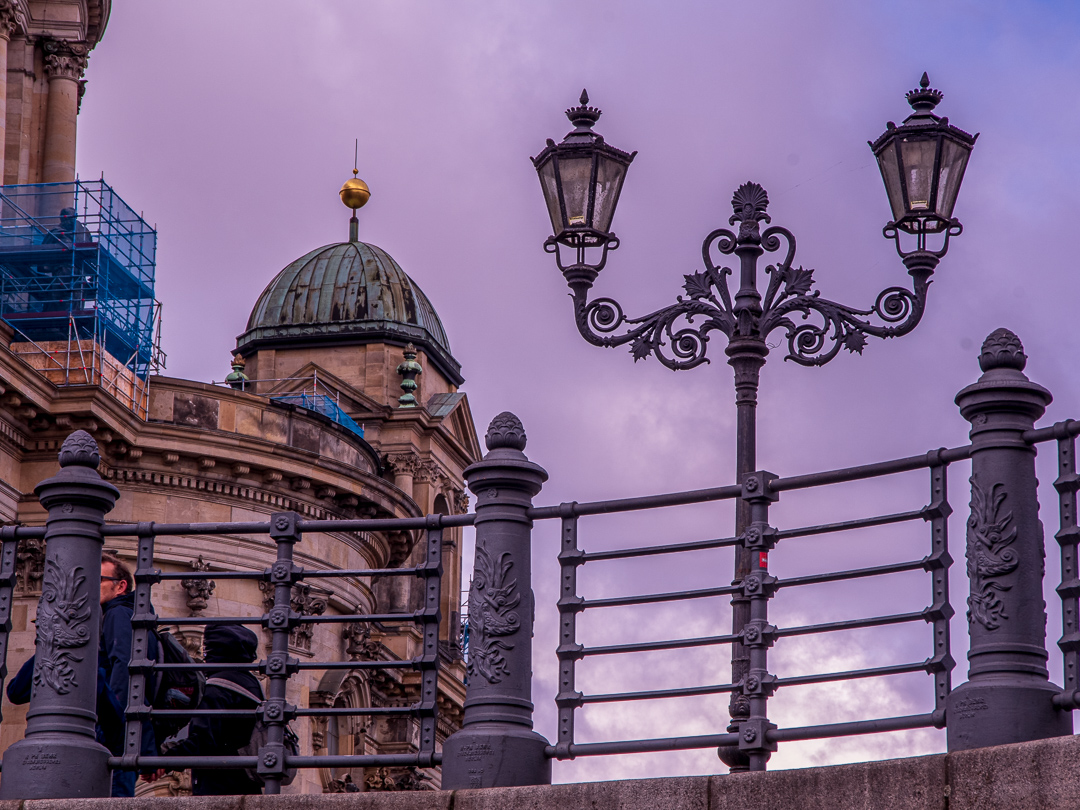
(496, 746)
(59, 757)
(1008, 697)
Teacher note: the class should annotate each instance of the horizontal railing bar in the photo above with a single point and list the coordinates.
(649, 646)
(646, 551)
(658, 694)
(316, 665)
(848, 525)
(644, 746)
(850, 729)
(852, 674)
(307, 573)
(851, 624)
(854, 573)
(300, 712)
(845, 474)
(648, 599)
(1059, 430)
(635, 504)
(360, 617)
(350, 711)
(359, 761)
(367, 524)
(167, 576)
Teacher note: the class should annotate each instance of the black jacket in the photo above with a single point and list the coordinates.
(114, 655)
(223, 736)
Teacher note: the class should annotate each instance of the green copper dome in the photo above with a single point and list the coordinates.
(349, 292)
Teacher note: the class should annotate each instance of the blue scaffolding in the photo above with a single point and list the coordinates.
(324, 404)
(77, 264)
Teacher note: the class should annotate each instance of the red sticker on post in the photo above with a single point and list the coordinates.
(763, 559)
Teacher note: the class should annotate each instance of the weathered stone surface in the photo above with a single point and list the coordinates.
(404, 800)
(145, 803)
(680, 793)
(1039, 775)
(916, 783)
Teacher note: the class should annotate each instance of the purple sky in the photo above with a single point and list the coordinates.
(232, 125)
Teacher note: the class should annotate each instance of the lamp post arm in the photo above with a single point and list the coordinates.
(668, 333)
(816, 342)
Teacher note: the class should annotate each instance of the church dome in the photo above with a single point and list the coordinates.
(348, 292)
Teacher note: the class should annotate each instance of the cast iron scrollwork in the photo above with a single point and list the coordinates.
(63, 615)
(678, 335)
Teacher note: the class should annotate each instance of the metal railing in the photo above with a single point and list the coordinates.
(495, 745)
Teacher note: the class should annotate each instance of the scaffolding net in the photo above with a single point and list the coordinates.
(77, 286)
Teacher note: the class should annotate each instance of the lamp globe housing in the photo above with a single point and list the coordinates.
(581, 179)
(922, 162)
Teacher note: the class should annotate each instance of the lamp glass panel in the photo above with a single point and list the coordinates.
(917, 154)
(890, 173)
(954, 158)
(551, 196)
(576, 174)
(609, 180)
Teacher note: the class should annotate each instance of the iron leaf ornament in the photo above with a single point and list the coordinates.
(990, 534)
(815, 328)
(492, 617)
(62, 620)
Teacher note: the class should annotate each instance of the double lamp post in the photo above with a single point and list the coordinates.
(922, 162)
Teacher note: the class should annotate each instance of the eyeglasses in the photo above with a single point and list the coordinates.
(115, 579)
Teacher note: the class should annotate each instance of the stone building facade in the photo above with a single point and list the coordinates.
(344, 402)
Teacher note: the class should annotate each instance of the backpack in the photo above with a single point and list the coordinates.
(174, 689)
(260, 735)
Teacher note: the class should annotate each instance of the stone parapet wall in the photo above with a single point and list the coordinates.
(1041, 775)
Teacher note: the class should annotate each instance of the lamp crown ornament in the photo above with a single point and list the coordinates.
(583, 117)
(925, 98)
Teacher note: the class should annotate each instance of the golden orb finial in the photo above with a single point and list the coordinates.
(355, 192)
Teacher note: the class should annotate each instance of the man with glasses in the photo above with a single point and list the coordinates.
(117, 610)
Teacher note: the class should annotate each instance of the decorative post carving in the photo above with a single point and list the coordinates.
(59, 757)
(496, 746)
(1008, 696)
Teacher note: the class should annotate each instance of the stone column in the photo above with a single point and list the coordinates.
(64, 66)
(59, 757)
(1008, 696)
(496, 746)
(8, 26)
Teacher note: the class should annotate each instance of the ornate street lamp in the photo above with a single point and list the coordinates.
(922, 163)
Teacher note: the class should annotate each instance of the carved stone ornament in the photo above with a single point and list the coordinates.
(62, 618)
(304, 602)
(505, 430)
(989, 535)
(9, 20)
(198, 590)
(80, 450)
(359, 645)
(403, 463)
(64, 59)
(492, 617)
(461, 502)
(1002, 349)
(29, 566)
(410, 778)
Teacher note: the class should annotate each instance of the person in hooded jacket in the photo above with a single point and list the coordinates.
(223, 736)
